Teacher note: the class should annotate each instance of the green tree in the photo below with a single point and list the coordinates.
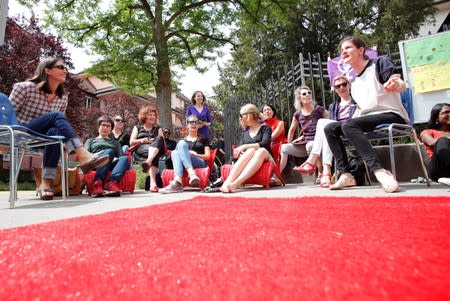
(140, 41)
(281, 32)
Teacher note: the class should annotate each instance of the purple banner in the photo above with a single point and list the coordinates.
(337, 67)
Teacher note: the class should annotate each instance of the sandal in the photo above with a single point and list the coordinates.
(325, 181)
(308, 171)
(387, 180)
(319, 177)
(45, 194)
(345, 180)
(211, 189)
(154, 189)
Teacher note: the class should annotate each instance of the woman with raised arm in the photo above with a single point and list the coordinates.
(437, 143)
(40, 104)
(376, 90)
(191, 152)
(253, 149)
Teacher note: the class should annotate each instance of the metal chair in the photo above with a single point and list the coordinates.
(18, 140)
(396, 130)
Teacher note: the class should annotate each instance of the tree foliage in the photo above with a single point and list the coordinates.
(25, 45)
(294, 27)
(139, 42)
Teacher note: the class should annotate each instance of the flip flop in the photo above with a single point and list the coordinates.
(45, 194)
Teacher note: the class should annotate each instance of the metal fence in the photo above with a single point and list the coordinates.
(279, 92)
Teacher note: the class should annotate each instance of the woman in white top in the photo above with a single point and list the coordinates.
(376, 90)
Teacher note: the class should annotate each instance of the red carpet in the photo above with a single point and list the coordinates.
(311, 248)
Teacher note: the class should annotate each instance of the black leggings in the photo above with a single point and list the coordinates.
(354, 130)
(439, 166)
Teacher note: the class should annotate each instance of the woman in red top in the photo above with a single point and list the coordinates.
(437, 143)
(270, 119)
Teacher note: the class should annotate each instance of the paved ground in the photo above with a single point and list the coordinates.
(30, 210)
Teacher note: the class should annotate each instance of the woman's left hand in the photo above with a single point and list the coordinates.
(395, 84)
(238, 151)
(193, 153)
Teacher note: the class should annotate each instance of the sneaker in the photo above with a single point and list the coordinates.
(98, 189)
(113, 189)
(174, 186)
(445, 181)
(194, 181)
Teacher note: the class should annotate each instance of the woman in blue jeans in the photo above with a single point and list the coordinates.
(191, 152)
(40, 104)
(118, 164)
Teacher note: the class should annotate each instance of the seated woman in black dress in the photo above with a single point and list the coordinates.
(148, 138)
(253, 149)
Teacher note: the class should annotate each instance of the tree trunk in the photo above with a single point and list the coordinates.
(164, 94)
(163, 84)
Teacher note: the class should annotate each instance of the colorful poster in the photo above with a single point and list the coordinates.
(432, 77)
(427, 51)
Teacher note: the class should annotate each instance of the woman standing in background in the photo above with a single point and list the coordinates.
(199, 109)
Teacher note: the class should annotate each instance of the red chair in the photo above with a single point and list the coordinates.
(264, 174)
(203, 173)
(127, 183)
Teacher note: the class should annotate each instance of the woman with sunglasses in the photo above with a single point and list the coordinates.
(40, 104)
(253, 149)
(341, 110)
(147, 140)
(436, 139)
(191, 152)
(118, 132)
(376, 90)
(306, 116)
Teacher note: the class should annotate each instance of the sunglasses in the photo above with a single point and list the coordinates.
(118, 120)
(60, 67)
(343, 85)
(192, 122)
(242, 115)
(306, 93)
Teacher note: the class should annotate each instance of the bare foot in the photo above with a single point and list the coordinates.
(386, 179)
(345, 180)
(233, 187)
(224, 187)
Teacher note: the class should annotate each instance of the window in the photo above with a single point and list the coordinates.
(88, 102)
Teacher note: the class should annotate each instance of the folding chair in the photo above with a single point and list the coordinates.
(396, 130)
(18, 141)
